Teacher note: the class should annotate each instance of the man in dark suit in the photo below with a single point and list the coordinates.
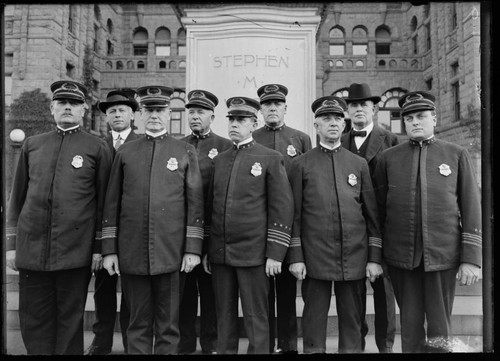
(54, 225)
(153, 225)
(208, 145)
(291, 143)
(368, 140)
(119, 110)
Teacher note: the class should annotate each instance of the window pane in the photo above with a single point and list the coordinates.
(175, 126)
(336, 33)
(337, 50)
(360, 49)
(382, 49)
(182, 50)
(140, 50)
(162, 50)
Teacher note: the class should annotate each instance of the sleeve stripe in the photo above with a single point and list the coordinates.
(10, 231)
(286, 244)
(295, 242)
(194, 232)
(278, 236)
(375, 242)
(98, 235)
(472, 239)
(109, 232)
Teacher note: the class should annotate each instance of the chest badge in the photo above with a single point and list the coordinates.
(256, 169)
(77, 161)
(291, 151)
(352, 180)
(172, 164)
(445, 169)
(213, 153)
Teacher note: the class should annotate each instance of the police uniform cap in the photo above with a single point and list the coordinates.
(117, 97)
(329, 105)
(154, 96)
(242, 107)
(270, 92)
(415, 101)
(202, 98)
(68, 90)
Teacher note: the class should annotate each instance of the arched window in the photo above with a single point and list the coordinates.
(109, 65)
(140, 64)
(162, 41)
(383, 40)
(119, 65)
(172, 65)
(177, 105)
(97, 12)
(359, 41)
(393, 64)
(72, 19)
(336, 33)
(110, 48)
(413, 24)
(163, 64)
(360, 64)
(182, 64)
(339, 64)
(181, 42)
(337, 41)
(389, 114)
(381, 64)
(140, 41)
(130, 64)
(109, 24)
(414, 64)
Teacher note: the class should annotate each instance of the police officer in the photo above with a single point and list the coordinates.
(54, 225)
(119, 110)
(335, 232)
(153, 225)
(429, 205)
(200, 114)
(251, 207)
(290, 142)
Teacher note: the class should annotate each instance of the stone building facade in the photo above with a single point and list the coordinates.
(395, 47)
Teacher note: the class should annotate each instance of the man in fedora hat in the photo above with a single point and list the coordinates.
(251, 217)
(335, 237)
(291, 143)
(119, 110)
(368, 140)
(153, 225)
(54, 225)
(200, 115)
(430, 212)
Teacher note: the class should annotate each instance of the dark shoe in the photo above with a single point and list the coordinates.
(97, 350)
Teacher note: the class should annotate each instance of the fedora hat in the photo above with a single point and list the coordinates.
(117, 97)
(358, 92)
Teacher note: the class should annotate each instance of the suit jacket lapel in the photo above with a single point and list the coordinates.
(375, 141)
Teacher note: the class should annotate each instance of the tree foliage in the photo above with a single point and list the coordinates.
(31, 113)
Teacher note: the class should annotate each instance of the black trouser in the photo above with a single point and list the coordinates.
(385, 314)
(253, 287)
(283, 293)
(317, 295)
(424, 297)
(105, 310)
(154, 312)
(198, 282)
(51, 309)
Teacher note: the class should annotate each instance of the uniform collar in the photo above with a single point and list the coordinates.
(421, 143)
(123, 134)
(201, 136)
(71, 130)
(247, 143)
(274, 129)
(161, 135)
(329, 149)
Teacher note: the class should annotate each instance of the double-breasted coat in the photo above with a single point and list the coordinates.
(55, 209)
(154, 206)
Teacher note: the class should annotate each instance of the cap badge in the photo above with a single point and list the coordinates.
(69, 86)
(256, 169)
(153, 91)
(331, 103)
(445, 170)
(238, 101)
(213, 153)
(77, 161)
(352, 180)
(413, 98)
(172, 164)
(271, 88)
(198, 95)
(291, 151)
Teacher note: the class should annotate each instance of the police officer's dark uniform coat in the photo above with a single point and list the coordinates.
(151, 233)
(55, 211)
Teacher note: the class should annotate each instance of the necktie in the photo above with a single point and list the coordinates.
(118, 143)
(356, 133)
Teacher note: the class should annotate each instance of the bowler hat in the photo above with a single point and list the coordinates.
(329, 105)
(68, 90)
(242, 107)
(202, 98)
(358, 92)
(415, 101)
(272, 92)
(117, 97)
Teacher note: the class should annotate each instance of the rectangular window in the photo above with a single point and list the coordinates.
(456, 101)
(182, 50)
(163, 50)
(454, 69)
(96, 30)
(72, 18)
(415, 44)
(382, 49)
(360, 49)
(70, 70)
(176, 122)
(141, 49)
(337, 50)
(8, 90)
(429, 84)
(454, 22)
